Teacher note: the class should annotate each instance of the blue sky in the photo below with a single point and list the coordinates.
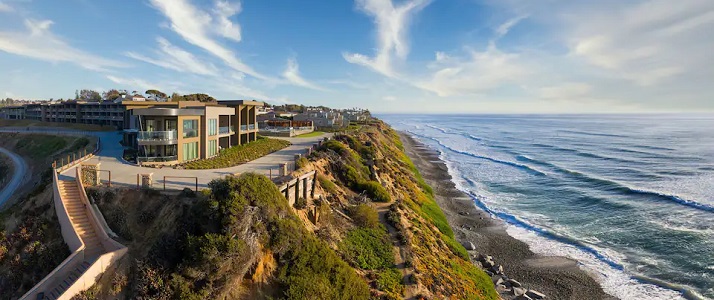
(490, 56)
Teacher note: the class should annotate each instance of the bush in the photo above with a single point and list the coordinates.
(365, 216)
(376, 191)
(336, 146)
(301, 163)
(300, 203)
(390, 281)
(368, 248)
(187, 192)
(327, 184)
(241, 154)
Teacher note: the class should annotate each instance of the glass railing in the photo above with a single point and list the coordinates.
(251, 126)
(156, 159)
(225, 129)
(189, 133)
(157, 135)
(247, 127)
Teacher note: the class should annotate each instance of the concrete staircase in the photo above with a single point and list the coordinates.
(69, 192)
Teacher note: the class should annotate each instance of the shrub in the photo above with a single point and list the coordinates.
(300, 203)
(368, 248)
(390, 281)
(187, 192)
(365, 216)
(336, 146)
(376, 191)
(301, 163)
(327, 184)
(237, 155)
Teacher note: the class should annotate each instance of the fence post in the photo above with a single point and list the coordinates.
(196, 184)
(164, 183)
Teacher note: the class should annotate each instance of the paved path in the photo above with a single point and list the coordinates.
(125, 174)
(17, 178)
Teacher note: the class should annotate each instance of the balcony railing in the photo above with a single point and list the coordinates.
(157, 135)
(189, 133)
(226, 129)
(247, 127)
(156, 159)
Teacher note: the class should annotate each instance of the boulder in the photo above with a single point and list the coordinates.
(535, 294)
(497, 280)
(517, 291)
(523, 297)
(497, 269)
(469, 246)
(514, 283)
(464, 213)
(500, 288)
(488, 263)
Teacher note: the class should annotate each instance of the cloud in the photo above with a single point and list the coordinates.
(504, 28)
(392, 24)
(389, 98)
(39, 42)
(175, 58)
(292, 74)
(5, 7)
(133, 83)
(566, 91)
(199, 27)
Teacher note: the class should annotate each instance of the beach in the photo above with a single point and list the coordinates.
(556, 277)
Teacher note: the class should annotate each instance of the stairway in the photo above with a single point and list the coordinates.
(69, 192)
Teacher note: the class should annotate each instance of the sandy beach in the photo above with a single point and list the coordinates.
(556, 277)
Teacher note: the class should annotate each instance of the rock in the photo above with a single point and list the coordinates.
(488, 263)
(497, 269)
(497, 280)
(464, 213)
(514, 283)
(469, 246)
(500, 288)
(517, 291)
(524, 297)
(535, 294)
(489, 273)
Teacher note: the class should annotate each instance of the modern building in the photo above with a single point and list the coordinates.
(321, 119)
(105, 113)
(176, 132)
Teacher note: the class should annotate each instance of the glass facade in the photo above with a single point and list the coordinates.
(212, 127)
(190, 128)
(212, 148)
(190, 151)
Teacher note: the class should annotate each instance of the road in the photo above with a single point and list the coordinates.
(17, 178)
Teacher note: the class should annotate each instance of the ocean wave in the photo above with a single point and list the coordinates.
(491, 159)
(587, 154)
(612, 274)
(614, 186)
(473, 137)
(438, 128)
(594, 133)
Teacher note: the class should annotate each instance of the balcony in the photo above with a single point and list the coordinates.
(156, 159)
(226, 130)
(157, 137)
(247, 127)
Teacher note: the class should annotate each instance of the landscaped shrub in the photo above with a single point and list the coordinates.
(364, 216)
(376, 191)
(390, 281)
(237, 155)
(368, 248)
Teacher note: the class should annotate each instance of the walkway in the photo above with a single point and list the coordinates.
(17, 178)
(124, 174)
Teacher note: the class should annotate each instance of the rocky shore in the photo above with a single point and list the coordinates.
(516, 272)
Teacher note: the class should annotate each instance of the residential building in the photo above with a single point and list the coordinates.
(77, 112)
(176, 132)
(321, 119)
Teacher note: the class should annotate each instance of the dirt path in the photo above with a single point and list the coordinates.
(398, 249)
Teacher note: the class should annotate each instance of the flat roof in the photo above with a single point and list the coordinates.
(241, 102)
(165, 111)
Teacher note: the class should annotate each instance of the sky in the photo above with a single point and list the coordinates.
(408, 56)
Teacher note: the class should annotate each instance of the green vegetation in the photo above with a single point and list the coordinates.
(390, 281)
(368, 248)
(40, 146)
(5, 169)
(376, 191)
(311, 134)
(301, 163)
(239, 154)
(365, 216)
(327, 184)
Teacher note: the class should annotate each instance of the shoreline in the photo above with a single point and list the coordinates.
(556, 277)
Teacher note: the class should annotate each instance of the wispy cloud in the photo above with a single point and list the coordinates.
(39, 42)
(133, 83)
(392, 24)
(568, 91)
(175, 58)
(4, 7)
(292, 74)
(201, 27)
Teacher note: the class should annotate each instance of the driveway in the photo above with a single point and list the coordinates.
(20, 172)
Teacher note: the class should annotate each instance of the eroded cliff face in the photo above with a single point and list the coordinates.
(372, 230)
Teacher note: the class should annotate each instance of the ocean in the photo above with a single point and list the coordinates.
(630, 197)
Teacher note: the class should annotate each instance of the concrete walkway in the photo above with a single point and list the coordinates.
(18, 176)
(125, 174)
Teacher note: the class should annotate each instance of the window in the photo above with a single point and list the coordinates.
(212, 127)
(212, 148)
(150, 125)
(190, 151)
(190, 128)
(170, 125)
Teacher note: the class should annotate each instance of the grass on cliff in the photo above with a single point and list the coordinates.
(207, 247)
(241, 154)
(311, 134)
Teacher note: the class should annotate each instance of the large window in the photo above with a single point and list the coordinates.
(190, 151)
(190, 128)
(212, 127)
(212, 148)
(171, 125)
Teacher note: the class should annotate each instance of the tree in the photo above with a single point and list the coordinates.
(89, 95)
(111, 95)
(156, 95)
(176, 97)
(199, 97)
